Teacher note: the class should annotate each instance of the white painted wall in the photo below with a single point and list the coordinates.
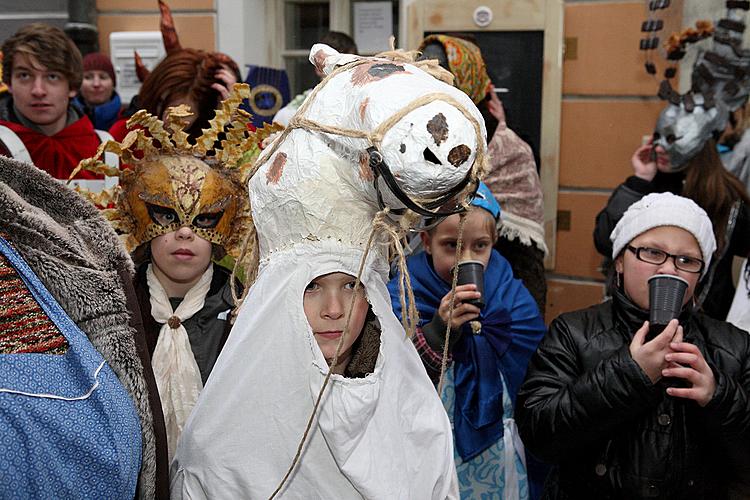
(242, 31)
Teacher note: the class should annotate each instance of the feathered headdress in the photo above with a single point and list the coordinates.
(720, 79)
(170, 183)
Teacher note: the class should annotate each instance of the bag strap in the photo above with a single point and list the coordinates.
(110, 159)
(16, 148)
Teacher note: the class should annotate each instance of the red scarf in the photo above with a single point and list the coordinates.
(59, 154)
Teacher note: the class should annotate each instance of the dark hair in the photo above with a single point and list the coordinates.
(712, 187)
(187, 73)
(50, 46)
(340, 41)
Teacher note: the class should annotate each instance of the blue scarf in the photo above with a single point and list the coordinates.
(104, 115)
(511, 329)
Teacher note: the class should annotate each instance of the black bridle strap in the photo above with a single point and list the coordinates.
(380, 169)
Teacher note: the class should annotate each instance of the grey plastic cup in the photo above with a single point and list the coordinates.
(665, 297)
(472, 271)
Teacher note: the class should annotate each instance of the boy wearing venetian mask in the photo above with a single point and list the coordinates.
(178, 209)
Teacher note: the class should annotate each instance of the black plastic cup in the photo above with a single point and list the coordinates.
(472, 271)
(666, 293)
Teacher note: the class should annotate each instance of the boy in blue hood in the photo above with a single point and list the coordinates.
(489, 348)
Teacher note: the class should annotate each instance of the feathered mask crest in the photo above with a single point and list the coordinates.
(169, 183)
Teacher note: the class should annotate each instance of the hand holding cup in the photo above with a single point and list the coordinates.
(651, 355)
(463, 309)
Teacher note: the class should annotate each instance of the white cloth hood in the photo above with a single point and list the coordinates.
(382, 436)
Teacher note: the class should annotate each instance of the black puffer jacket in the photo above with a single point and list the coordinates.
(587, 407)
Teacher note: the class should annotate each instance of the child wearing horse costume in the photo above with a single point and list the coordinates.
(178, 208)
(372, 426)
(489, 348)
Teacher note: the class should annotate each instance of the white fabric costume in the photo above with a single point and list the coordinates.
(384, 436)
(739, 313)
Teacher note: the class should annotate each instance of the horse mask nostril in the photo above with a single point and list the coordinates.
(459, 154)
(430, 156)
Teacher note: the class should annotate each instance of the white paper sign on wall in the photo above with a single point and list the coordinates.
(373, 26)
(122, 44)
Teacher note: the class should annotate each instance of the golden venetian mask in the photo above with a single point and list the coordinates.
(168, 183)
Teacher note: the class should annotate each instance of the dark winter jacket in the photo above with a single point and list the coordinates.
(587, 407)
(207, 329)
(717, 290)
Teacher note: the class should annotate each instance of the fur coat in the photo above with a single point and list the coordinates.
(80, 260)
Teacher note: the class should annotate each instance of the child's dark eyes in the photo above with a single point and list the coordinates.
(451, 245)
(207, 221)
(162, 215)
(312, 286)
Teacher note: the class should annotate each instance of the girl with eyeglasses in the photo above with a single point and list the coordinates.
(704, 180)
(625, 415)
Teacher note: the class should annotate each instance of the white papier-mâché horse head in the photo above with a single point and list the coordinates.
(317, 180)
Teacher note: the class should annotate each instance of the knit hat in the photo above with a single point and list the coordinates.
(665, 209)
(101, 62)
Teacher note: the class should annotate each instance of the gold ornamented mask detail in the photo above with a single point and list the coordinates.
(170, 192)
(168, 183)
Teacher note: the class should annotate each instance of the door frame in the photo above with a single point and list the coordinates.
(420, 16)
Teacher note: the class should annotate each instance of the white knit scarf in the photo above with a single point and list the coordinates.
(177, 375)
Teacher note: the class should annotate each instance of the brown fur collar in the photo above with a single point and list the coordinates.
(366, 349)
(79, 258)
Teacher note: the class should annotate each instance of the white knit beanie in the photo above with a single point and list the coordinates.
(665, 209)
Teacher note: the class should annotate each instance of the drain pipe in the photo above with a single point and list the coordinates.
(81, 25)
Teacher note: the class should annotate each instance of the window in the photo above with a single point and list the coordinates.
(303, 23)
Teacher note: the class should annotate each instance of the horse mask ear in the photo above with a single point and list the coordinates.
(326, 58)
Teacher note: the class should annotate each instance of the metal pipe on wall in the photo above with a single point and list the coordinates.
(81, 25)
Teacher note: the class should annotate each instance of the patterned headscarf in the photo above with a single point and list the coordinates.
(466, 63)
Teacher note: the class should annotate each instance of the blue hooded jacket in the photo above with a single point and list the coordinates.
(511, 330)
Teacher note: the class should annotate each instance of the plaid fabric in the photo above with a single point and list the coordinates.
(466, 64)
(431, 359)
(24, 326)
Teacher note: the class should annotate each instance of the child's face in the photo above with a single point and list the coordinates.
(40, 94)
(326, 305)
(478, 238)
(181, 256)
(635, 273)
